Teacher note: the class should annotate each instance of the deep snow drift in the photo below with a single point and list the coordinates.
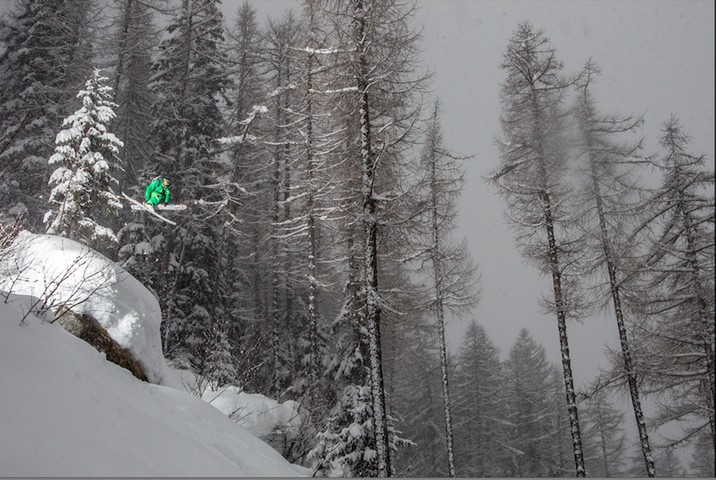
(66, 411)
(59, 271)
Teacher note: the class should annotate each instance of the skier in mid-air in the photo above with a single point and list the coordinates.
(157, 192)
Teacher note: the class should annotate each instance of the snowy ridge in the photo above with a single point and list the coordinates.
(59, 271)
(66, 411)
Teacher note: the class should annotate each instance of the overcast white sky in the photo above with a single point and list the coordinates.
(656, 58)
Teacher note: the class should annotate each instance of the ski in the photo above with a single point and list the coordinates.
(161, 206)
(171, 206)
(147, 209)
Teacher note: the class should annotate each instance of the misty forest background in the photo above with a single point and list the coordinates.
(317, 259)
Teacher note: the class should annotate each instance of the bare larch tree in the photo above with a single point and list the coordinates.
(531, 179)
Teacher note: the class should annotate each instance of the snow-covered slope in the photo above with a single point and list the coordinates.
(66, 411)
(60, 271)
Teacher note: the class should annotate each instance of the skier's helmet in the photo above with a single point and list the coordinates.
(166, 181)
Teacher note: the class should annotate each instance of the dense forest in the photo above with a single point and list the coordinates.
(318, 259)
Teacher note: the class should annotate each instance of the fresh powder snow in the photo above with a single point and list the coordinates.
(66, 411)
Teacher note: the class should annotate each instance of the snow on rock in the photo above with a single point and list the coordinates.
(60, 271)
(256, 413)
(67, 412)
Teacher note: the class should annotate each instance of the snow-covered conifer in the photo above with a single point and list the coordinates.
(45, 59)
(417, 400)
(217, 364)
(188, 85)
(479, 399)
(604, 439)
(130, 43)
(528, 410)
(347, 448)
(136, 253)
(703, 464)
(85, 155)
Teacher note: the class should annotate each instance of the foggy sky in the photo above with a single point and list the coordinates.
(656, 58)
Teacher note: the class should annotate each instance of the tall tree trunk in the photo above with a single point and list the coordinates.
(440, 311)
(533, 169)
(275, 287)
(560, 305)
(311, 224)
(370, 227)
(563, 341)
(561, 318)
(446, 389)
(621, 326)
(278, 159)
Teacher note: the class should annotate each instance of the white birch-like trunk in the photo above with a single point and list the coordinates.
(439, 309)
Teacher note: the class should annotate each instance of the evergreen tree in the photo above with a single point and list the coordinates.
(419, 406)
(667, 461)
(479, 407)
(604, 439)
(351, 451)
(188, 83)
(46, 58)
(132, 41)
(347, 452)
(136, 253)
(85, 156)
(217, 366)
(702, 461)
(528, 410)
(559, 445)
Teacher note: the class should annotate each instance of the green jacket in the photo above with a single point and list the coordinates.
(157, 193)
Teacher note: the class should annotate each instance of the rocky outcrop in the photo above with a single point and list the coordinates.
(91, 331)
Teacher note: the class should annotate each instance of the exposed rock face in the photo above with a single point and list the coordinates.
(91, 331)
